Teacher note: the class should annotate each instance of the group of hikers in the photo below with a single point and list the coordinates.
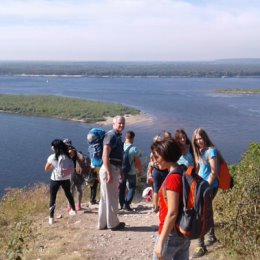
(117, 175)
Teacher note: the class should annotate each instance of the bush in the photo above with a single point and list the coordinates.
(237, 210)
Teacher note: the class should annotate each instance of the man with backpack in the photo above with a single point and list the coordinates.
(130, 167)
(95, 138)
(109, 173)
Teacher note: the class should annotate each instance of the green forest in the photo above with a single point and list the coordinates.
(63, 108)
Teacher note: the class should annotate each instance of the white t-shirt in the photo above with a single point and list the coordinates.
(54, 175)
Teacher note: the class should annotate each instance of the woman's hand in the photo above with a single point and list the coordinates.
(159, 250)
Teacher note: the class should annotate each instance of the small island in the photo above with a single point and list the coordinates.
(239, 91)
(86, 111)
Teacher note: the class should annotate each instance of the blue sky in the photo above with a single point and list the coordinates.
(129, 30)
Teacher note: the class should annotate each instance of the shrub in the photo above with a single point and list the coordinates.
(237, 210)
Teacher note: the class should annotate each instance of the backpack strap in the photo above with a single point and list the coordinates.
(163, 186)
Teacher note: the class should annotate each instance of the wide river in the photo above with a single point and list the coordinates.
(232, 121)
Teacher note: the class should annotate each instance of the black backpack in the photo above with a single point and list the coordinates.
(126, 165)
(195, 216)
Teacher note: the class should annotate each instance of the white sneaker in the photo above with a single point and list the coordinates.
(51, 220)
(72, 212)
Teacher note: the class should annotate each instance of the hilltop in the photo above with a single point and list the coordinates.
(26, 234)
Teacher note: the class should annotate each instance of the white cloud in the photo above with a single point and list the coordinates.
(129, 29)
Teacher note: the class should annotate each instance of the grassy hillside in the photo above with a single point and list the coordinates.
(237, 214)
(238, 211)
(63, 108)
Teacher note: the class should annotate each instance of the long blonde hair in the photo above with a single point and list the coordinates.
(208, 143)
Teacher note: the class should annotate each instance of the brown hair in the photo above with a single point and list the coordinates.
(168, 149)
(180, 132)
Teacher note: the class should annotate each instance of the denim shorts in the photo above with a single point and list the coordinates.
(175, 248)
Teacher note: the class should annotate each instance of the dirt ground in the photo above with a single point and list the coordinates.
(77, 237)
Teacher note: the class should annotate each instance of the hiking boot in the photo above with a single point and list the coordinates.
(93, 202)
(128, 208)
(51, 220)
(211, 241)
(120, 226)
(72, 212)
(199, 252)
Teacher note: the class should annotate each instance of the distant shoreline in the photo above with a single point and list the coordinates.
(127, 76)
(239, 91)
(130, 119)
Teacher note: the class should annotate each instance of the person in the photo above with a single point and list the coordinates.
(187, 157)
(206, 162)
(149, 171)
(110, 171)
(60, 153)
(76, 180)
(169, 244)
(159, 175)
(94, 185)
(129, 179)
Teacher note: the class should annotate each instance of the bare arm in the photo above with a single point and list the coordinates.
(106, 162)
(48, 167)
(138, 165)
(169, 223)
(213, 170)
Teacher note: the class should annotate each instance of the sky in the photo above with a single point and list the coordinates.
(129, 30)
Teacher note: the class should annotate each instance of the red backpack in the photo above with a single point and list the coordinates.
(225, 178)
(195, 216)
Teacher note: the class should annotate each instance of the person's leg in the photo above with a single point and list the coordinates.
(66, 187)
(80, 194)
(112, 198)
(54, 187)
(175, 247)
(72, 190)
(211, 234)
(131, 189)
(122, 190)
(102, 219)
(93, 192)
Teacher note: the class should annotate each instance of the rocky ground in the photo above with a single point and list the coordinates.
(77, 237)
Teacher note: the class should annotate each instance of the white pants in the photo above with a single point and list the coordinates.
(108, 204)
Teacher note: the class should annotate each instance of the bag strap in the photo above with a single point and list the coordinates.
(163, 186)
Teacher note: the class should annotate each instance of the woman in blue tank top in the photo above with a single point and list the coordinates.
(206, 158)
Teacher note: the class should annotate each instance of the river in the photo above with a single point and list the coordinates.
(232, 121)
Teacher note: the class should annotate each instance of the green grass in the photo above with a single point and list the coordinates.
(20, 209)
(63, 108)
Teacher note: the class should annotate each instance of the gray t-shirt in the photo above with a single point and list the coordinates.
(113, 139)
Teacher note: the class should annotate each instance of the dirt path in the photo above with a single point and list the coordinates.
(77, 237)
